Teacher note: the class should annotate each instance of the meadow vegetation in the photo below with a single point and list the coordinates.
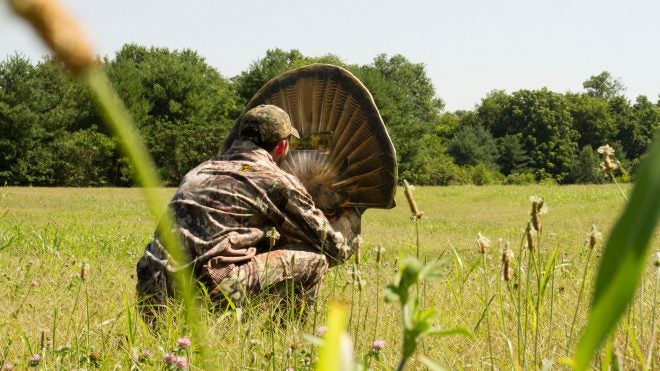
(67, 269)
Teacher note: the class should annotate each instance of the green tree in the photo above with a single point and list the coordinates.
(543, 122)
(38, 104)
(406, 99)
(604, 86)
(586, 169)
(512, 157)
(276, 61)
(647, 118)
(473, 145)
(183, 107)
(592, 120)
(85, 158)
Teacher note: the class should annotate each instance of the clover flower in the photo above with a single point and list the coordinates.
(378, 345)
(181, 362)
(169, 358)
(321, 331)
(63, 348)
(183, 342)
(35, 360)
(145, 355)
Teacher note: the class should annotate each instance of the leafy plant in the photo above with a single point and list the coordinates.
(623, 260)
(415, 321)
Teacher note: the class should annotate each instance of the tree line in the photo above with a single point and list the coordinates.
(51, 133)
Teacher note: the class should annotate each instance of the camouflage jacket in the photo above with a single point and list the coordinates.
(225, 208)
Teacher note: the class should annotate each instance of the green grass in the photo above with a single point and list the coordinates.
(51, 232)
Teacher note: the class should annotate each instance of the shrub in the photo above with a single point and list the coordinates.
(520, 179)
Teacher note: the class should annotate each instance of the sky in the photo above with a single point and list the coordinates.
(469, 48)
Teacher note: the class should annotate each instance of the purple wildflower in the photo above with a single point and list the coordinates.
(378, 345)
(181, 362)
(35, 360)
(145, 355)
(183, 342)
(7, 366)
(321, 331)
(169, 358)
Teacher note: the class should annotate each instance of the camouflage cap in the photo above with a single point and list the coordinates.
(271, 122)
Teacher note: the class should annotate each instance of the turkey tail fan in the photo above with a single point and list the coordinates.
(345, 157)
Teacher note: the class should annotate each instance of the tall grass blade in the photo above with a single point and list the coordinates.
(54, 24)
(129, 324)
(635, 345)
(121, 123)
(430, 364)
(549, 271)
(623, 259)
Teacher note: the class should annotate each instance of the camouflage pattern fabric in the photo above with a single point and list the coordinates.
(289, 269)
(247, 225)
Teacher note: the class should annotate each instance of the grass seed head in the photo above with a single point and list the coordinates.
(507, 257)
(608, 163)
(357, 243)
(529, 234)
(273, 235)
(594, 237)
(380, 250)
(59, 30)
(95, 357)
(483, 243)
(538, 208)
(84, 271)
(416, 214)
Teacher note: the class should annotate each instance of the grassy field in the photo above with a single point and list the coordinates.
(67, 285)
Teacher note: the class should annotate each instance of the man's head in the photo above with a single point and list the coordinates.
(266, 124)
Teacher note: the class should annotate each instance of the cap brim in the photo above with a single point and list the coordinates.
(294, 132)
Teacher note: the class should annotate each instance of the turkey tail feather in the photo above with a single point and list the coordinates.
(345, 157)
